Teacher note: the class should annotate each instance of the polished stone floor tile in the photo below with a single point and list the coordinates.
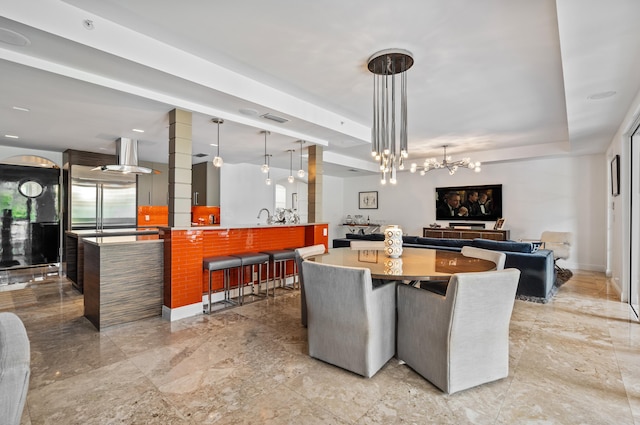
(574, 360)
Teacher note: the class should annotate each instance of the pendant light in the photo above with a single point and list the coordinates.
(301, 171)
(217, 161)
(290, 179)
(265, 166)
(266, 162)
(389, 144)
(446, 163)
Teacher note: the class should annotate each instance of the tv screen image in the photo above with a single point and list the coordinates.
(483, 203)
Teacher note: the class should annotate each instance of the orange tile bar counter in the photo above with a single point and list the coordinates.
(184, 248)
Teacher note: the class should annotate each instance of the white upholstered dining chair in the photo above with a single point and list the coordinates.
(300, 255)
(351, 324)
(496, 257)
(459, 340)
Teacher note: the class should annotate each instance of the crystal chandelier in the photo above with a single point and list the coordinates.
(389, 132)
(452, 166)
(217, 161)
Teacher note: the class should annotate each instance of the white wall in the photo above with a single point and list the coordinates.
(563, 194)
(618, 212)
(243, 193)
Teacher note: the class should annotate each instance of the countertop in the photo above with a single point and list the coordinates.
(113, 232)
(121, 240)
(244, 226)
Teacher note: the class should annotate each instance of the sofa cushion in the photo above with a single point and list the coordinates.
(409, 239)
(452, 243)
(505, 246)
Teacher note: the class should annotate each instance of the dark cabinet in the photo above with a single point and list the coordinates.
(496, 235)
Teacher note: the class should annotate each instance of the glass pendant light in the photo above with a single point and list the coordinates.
(301, 171)
(265, 166)
(217, 161)
(266, 163)
(290, 179)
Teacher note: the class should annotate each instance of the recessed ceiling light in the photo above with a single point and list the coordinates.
(20, 108)
(14, 38)
(213, 144)
(137, 130)
(602, 95)
(11, 136)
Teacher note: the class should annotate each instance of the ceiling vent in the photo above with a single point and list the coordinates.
(200, 155)
(274, 118)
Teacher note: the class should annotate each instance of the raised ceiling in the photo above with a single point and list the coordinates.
(498, 79)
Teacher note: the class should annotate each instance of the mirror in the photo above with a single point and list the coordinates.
(30, 189)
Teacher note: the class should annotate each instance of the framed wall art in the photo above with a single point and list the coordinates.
(368, 200)
(499, 224)
(615, 175)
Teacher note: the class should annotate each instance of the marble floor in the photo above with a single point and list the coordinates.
(575, 360)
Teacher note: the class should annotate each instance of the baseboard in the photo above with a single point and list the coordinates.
(173, 314)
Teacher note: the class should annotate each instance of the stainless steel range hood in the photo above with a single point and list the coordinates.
(127, 153)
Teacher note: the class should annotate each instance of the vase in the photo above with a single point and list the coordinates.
(393, 266)
(393, 241)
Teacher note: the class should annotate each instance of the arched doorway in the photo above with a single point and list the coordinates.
(30, 219)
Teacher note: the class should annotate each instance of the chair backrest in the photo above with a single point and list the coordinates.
(332, 288)
(300, 255)
(497, 257)
(558, 242)
(306, 252)
(556, 237)
(367, 244)
(15, 363)
(480, 302)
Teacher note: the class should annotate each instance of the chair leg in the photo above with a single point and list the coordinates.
(209, 308)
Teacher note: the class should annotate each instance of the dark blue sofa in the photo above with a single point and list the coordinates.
(537, 272)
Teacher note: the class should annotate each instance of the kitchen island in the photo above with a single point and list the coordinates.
(74, 248)
(185, 282)
(123, 278)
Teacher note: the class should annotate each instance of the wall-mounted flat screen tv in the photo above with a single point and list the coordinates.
(469, 203)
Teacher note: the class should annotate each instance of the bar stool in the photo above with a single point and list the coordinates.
(224, 263)
(279, 257)
(251, 259)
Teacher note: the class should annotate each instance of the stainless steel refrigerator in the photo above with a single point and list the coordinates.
(102, 200)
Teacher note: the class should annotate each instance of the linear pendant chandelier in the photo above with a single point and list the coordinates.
(389, 132)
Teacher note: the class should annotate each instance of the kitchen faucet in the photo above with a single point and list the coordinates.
(268, 215)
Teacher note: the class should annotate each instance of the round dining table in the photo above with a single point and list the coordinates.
(415, 264)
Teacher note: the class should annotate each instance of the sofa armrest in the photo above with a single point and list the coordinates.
(537, 272)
